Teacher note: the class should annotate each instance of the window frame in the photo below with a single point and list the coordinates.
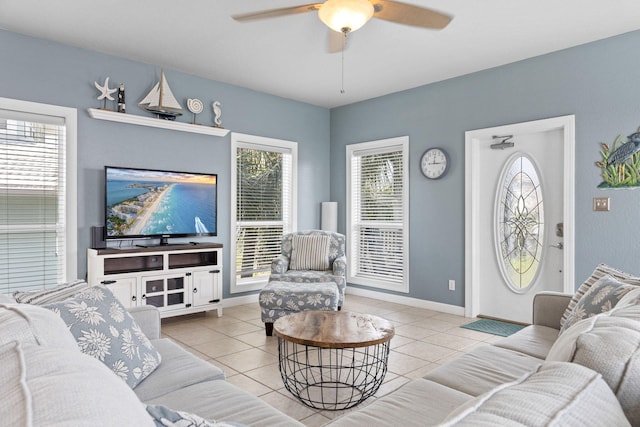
(239, 140)
(353, 271)
(70, 117)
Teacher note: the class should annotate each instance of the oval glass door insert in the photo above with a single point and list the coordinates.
(519, 223)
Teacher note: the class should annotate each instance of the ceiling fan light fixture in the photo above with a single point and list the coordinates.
(345, 15)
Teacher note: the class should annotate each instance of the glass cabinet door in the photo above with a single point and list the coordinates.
(175, 291)
(164, 292)
(154, 292)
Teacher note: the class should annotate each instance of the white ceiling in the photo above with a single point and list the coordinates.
(288, 57)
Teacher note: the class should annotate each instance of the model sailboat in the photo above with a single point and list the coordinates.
(160, 101)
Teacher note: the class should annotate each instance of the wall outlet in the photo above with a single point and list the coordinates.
(452, 285)
(601, 204)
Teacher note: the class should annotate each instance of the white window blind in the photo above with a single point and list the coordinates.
(264, 207)
(378, 214)
(32, 201)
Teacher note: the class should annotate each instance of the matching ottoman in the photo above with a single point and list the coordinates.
(278, 299)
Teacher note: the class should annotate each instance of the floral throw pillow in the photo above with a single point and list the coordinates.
(600, 271)
(601, 297)
(105, 330)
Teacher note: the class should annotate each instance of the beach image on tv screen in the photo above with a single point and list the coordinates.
(145, 203)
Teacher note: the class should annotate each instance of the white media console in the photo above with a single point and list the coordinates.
(178, 279)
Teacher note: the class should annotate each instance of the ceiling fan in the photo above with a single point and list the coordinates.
(346, 16)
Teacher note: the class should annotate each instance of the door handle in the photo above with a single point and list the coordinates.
(558, 245)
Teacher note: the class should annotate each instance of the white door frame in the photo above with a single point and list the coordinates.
(472, 201)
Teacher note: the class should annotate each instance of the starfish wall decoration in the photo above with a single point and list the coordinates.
(105, 92)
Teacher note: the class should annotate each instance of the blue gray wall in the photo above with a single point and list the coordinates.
(598, 82)
(42, 71)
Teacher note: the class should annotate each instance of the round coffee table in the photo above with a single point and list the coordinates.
(332, 360)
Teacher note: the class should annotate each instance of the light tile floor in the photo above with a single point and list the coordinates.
(236, 342)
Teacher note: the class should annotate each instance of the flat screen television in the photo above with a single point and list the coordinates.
(147, 203)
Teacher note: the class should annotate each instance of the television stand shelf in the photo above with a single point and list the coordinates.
(178, 279)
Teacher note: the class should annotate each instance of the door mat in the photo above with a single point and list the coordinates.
(495, 327)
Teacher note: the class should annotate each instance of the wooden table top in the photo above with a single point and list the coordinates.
(333, 329)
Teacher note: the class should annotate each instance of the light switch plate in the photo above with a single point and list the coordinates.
(601, 204)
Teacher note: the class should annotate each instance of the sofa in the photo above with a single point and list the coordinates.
(48, 381)
(578, 364)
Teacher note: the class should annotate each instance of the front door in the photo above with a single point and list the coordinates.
(519, 218)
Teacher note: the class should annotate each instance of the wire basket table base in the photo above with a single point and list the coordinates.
(332, 378)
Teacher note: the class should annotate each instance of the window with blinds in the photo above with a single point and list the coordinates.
(377, 217)
(34, 247)
(263, 196)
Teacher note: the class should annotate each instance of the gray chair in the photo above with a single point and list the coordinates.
(293, 287)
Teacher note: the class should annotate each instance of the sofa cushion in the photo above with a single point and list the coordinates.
(483, 369)
(600, 271)
(418, 403)
(222, 401)
(310, 252)
(105, 330)
(623, 316)
(556, 394)
(33, 324)
(602, 296)
(46, 296)
(45, 386)
(534, 340)
(164, 416)
(148, 319)
(7, 299)
(609, 344)
(178, 369)
(630, 298)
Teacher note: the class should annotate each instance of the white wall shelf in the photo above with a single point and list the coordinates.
(157, 123)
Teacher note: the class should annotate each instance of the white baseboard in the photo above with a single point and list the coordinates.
(413, 302)
(247, 299)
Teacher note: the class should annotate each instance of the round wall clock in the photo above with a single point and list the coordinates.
(434, 163)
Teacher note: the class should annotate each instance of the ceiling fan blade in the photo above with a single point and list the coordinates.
(277, 12)
(335, 41)
(408, 14)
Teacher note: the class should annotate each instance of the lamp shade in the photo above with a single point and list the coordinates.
(349, 15)
(329, 216)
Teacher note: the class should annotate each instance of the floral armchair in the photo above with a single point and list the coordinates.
(309, 274)
(284, 269)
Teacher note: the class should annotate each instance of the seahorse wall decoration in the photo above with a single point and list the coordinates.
(620, 163)
(217, 112)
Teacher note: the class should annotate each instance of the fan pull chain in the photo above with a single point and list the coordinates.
(345, 31)
(342, 86)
